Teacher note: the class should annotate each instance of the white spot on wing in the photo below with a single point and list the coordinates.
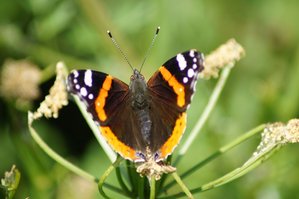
(185, 79)
(194, 66)
(194, 60)
(75, 81)
(190, 73)
(181, 61)
(76, 74)
(90, 96)
(191, 53)
(88, 78)
(83, 91)
(77, 86)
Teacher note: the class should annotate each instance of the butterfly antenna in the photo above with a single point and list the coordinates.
(117, 46)
(149, 49)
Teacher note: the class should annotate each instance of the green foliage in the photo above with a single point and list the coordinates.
(262, 88)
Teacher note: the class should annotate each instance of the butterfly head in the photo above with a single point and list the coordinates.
(137, 82)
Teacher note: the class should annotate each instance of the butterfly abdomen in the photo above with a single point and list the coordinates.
(145, 124)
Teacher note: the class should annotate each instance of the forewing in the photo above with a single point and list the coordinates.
(106, 98)
(171, 89)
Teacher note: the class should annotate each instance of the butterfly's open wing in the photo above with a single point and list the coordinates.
(171, 88)
(106, 99)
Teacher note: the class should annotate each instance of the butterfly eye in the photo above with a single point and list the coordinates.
(132, 77)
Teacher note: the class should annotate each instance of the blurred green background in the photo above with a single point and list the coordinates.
(263, 87)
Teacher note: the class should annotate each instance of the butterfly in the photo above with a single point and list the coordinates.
(142, 120)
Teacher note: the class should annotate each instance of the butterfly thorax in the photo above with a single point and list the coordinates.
(138, 90)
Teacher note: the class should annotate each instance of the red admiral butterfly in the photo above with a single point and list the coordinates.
(141, 120)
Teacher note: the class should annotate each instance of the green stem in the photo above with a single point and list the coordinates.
(106, 174)
(133, 177)
(152, 188)
(141, 188)
(113, 188)
(182, 185)
(221, 151)
(245, 168)
(121, 182)
(55, 156)
(248, 166)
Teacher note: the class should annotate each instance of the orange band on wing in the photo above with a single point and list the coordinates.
(124, 150)
(177, 87)
(175, 137)
(101, 99)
